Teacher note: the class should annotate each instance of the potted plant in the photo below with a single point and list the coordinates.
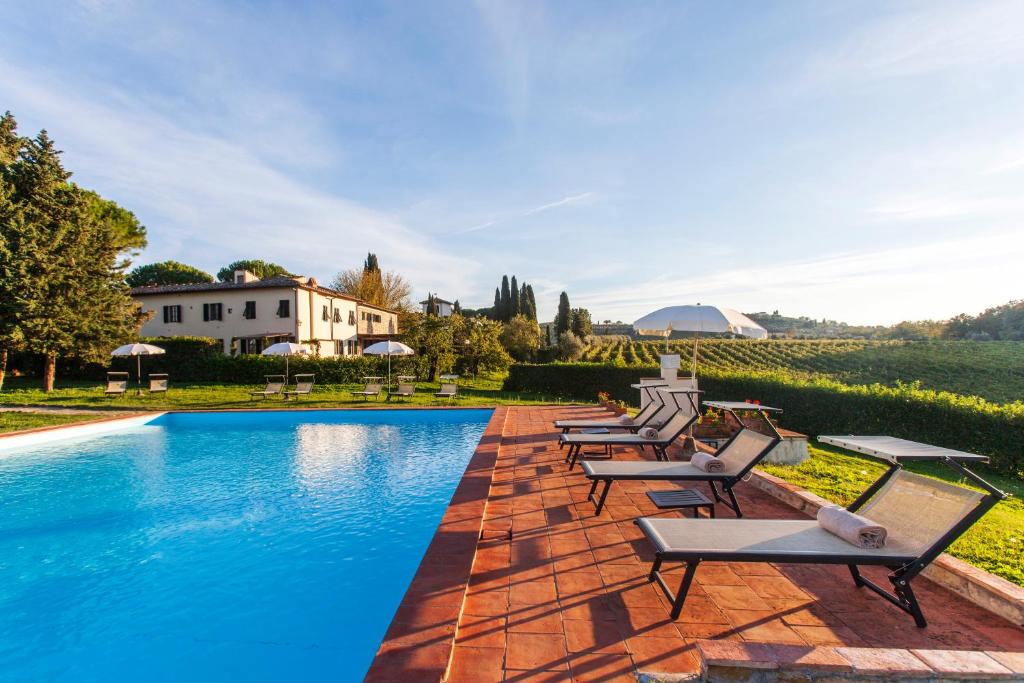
(712, 425)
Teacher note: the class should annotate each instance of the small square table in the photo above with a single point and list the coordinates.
(682, 499)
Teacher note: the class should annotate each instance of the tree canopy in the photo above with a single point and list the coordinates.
(563, 320)
(521, 337)
(380, 288)
(166, 273)
(261, 269)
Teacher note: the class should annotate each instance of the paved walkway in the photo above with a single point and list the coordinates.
(568, 600)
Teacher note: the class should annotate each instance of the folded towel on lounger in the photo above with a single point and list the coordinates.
(851, 527)
(625, 419)
(707, 463)
(648, 433)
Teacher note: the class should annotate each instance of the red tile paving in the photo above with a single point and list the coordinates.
(567, 598)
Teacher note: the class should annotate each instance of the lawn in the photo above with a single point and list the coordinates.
(995, 543)
(482, 391)
(14, 421)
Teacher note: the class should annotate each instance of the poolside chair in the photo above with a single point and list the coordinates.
(667, 434)
(303, 387)
(740, 454)
(922, 517)
(448, 390)
(117, 384)
(405, 390)
(654, 414)
(275, 385)
(371, 389)
(158, 384)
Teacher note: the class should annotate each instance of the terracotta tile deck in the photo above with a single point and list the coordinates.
(567, 598)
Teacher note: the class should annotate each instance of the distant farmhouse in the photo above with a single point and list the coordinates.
(249, 314)
(442, 308)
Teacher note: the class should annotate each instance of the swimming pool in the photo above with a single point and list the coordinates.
(211, 546)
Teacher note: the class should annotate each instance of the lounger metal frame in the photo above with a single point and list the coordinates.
(634, 426)
(902, 594)
(727, 481)
(659, 446)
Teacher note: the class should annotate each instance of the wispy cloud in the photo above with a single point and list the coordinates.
(564, 201)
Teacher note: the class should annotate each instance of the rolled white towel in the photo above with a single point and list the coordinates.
(648, 433)
(707, 463)
(625, 419)
(851, 527)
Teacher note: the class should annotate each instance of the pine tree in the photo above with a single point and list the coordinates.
(10, 330)
(515, 307)
(563, 321)
(533, 302)
(506, 301)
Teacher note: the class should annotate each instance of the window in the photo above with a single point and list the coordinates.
(325, 313)
(337, 315)
(284, 309)
(213, 312)
(362, 315)
(351, 317)
(172, 314)
(250, 310)
(339, 347)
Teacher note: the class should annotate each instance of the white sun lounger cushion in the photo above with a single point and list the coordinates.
(625, 419)
(851, 527)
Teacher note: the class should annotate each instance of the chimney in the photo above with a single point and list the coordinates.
(244, 277)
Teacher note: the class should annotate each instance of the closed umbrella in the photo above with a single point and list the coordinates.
(388, 348)
(286, 349)
(138, 350)
(697, 319)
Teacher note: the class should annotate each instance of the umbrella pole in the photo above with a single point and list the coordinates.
(389, 371)
(286, 359)
(138, 374)
(696, 338)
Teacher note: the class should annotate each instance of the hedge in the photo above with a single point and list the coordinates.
(818, 405)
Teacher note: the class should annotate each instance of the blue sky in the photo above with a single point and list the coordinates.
(861, 161)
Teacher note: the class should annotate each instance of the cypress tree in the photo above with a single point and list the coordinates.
(564, 318)
(515, 308)
(496, 311)
(533, 302)
(371, 265)
(506, 301)
(456, 308)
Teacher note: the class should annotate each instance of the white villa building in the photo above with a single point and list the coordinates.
(442, 308)
(249, 314)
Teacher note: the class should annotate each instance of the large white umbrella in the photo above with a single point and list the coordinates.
(697, 319)
(286, 349)
(388, 348)
(138, 350)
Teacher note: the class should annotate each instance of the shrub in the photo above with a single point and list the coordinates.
(819, 406)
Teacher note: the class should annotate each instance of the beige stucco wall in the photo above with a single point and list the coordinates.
(304, 323)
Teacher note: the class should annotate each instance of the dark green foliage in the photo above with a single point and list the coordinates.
(505, 308)
(166, 273)
(261, 269)
(1004, 322)
(456, 308)
(125, 229)
(533, 302)
(370, 265)
(563, 320)
(817, 406)
(515, 307)
(496, 311)
(581, 324)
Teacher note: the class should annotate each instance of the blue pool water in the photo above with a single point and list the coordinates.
(229, 546)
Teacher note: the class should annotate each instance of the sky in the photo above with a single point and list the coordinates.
(857, 161)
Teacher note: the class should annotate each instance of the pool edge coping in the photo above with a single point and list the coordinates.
(50, 433)
(421, 634)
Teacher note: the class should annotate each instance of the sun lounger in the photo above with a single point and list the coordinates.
(740, 455)
(654, 414)
(303, 387)
(371, 389)
(117, 384)
(404, 390)
(672, 430)
(275, 385)
(157, 384)
(448, 390)
(922, 517)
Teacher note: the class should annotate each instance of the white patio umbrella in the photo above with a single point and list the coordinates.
(286, 349)
(388, 348)
(138, 350)
(697, 319)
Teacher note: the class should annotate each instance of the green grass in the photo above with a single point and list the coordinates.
(995, 543)
(14, 421)
(992, 370)
(483, 391)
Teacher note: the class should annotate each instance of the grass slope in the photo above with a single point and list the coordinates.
(15, 421)
(995, 543)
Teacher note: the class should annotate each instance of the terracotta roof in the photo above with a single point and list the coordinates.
(280, 282)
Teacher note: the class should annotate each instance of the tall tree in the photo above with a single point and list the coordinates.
(124, 225)
(581, 324)
(496, 311)
(431, 305)
(261, 269)
(533, 302)
(166, 273)
(514, 304)
(563, 321)
(380, 288)
(521, 337)
(67, 263)
(506, 301)
(10, 214)
(456, 308)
